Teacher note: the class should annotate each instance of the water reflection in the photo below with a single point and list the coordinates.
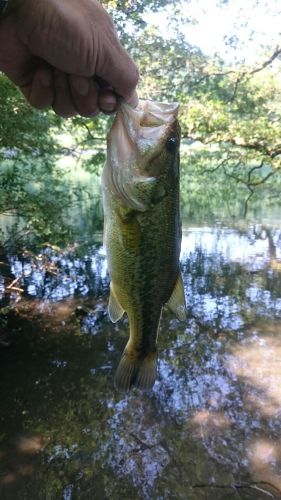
(210, 428)
(246, 249)
(53, 275)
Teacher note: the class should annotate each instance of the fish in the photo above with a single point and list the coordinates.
(142, 231)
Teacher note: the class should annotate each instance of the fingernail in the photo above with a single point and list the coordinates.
(81, 86)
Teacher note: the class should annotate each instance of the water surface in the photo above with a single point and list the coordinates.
(209, 429)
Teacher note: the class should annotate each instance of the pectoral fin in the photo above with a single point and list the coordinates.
(176, 302)
(150, 191)
(115, 310)
(144, 192)
(130, 233)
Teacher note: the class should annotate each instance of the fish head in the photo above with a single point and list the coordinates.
(142, 153)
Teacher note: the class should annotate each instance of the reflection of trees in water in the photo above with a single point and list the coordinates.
(212, 421)
(234, 279)
(54, 274)
(219, 270)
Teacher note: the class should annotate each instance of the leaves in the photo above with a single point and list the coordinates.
(230, 118)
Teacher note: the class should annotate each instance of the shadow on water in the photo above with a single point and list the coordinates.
(209, 429)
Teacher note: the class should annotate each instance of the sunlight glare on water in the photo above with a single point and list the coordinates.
(232, 246)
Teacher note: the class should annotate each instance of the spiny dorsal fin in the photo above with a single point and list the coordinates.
(176, 303)
(115, 310)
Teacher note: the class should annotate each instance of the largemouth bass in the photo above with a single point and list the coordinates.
(142, 233)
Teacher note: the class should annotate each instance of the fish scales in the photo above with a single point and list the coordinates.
(140, 185)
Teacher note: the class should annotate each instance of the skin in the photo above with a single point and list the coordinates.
(65, 54)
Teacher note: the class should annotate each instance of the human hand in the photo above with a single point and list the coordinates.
(66, 54)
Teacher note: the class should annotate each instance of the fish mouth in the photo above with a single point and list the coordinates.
(148, 116)
(157, 113)
(149, 125)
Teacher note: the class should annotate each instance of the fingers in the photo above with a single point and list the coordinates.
(50, 89)
(84, 96)
(107, 100)
(69, 95)
(120, 72)
(40, 92)
(63, 104)
(84, 93)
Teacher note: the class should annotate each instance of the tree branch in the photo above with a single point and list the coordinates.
(93, 138)
(211, 170)
(249, 184)
(240, 74)
(240, 143)
(266, 63)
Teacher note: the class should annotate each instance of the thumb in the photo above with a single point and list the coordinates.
(119, 71)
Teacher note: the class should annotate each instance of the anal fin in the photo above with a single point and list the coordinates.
(176, 303)
(115, 310)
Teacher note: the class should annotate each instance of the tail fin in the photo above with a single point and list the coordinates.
(136, 371)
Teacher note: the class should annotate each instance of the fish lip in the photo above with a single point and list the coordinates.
(162, 112)
(159, 107)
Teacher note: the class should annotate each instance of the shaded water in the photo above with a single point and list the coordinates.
(209, 429)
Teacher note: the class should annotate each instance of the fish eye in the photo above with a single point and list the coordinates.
(171, 144)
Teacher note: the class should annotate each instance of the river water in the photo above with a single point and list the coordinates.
(211, 426)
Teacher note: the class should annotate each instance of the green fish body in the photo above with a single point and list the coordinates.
(142, 233)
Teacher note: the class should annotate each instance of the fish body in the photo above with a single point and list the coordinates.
(140, 184)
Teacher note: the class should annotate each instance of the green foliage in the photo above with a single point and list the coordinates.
(21, 127)
(39, 155)
(230, 118)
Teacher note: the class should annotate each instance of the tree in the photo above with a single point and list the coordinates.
(230, 118)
